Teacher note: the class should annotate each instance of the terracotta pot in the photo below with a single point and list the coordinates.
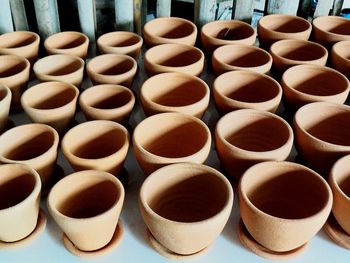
(32, 144)
(20, 188)
(178, 214)
(5, 101)
(321, 131)
(283, 204)
(86, 205)
(68, 42)
(243, 89)
(224, 32)
(166, 30)
(243, 138)
(53, 103)
(178, 138)
(99, 145)
(60, 67)
(175, 92)
(272, 28)
(313, 84)
(290, 52)
(238, 57)
(174, 58)
(14, 73)
(120, 42)
(340, 57)
(327, 30)
(20, 43)
(112, 69)
(339, 181)
(107, 102)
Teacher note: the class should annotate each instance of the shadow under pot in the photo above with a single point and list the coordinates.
(86, 205)
(60, 67)
(174, 58)
(5, 102)
(272, 28)
(243, 138)
(340, 57)
(35, 145)
(107, 102)
(98, 145)
(175, 92)
(178, 138)
(52, 103)
(304, 84)
(242, 89)
(112, 69)
(283, 205)
(14, 73)
(177, 213)
(321, 132)
(167, 30)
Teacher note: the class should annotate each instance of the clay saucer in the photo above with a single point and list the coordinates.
(163, 251)
(40, 226)
(336, 233)
(249, 242)
(117, 237)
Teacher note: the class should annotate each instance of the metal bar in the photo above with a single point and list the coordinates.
(243, 10)
(282, 7)
(163, 8)
(124, 15)
(6, 24)
(46, 12)
(140, 13)
(323, 7)
(87, 18)
(204, 11)
(337, 7)
(19, 15)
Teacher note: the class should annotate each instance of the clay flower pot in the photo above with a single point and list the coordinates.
(5, 102)
(303, 84)
(238, 57)
(120, 42)
(327, 30)
(53, 103)
(112, 69)
(243, 89)
(290, 52)
(60, 67)
(174, 58)
(99, 145)
(178, 138)
(283, 205)
(321, 132)
(272, 28)
(178, 214)
(107, 102)
(14, 73)
(340, 57)
(68, 42)
(166, 30)
(86, 205)
(20, 43)
(243, 138)
(339, 179)
(20, 188)
(32, 144)
(224, 32)
(175, 92)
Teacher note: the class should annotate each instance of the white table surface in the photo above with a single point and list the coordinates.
(134, 246)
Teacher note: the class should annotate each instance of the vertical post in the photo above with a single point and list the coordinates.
(204, 11)
(282, 7)
(46, 12)
(19, 15)
(337, 7)
(323, 7)
(87, 18)
(163, 8)
(6, 24)
(243, 10)
(140, 13)
(124, 15)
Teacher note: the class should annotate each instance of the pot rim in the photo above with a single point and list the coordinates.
(262, 25)
(48, 45)
(8, 95)
(21, 59)
(333, 176)
(315, 24)
(101, 40)
(335, 50)
(35, 42)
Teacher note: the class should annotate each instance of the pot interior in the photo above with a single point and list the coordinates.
(111, 65)
(299, 51)
(109, 99)
(170, 28)
(178, 58)
(66, 40)
(285, 24)
(120, 40)
(16, 40)
(11, 66)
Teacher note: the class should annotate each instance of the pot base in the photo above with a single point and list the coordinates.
(117, 237)
(40, 226)
(57, 175)
(336, 233)
(163, 251)
(249, 242)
